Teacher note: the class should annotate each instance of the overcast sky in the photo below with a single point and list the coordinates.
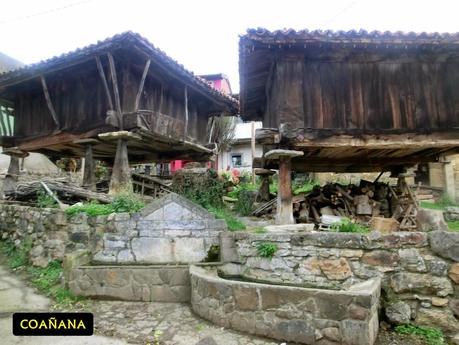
(201, 35)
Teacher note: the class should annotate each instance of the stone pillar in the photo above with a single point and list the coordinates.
(263, 192)
(12, 175)
(89, 165)
(121, 181)
(448, 173)
(284, 196)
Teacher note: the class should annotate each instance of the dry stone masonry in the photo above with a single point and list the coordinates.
(419, 271)
(300, 315)
(170, 229)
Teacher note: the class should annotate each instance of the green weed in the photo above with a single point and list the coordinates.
(431, 336)
(44, 200)
(260, 230)
(266, 249)
(453, 225)
(17, 255)
(346, 225)
(306, 187)
(121, 203)
(233, 223)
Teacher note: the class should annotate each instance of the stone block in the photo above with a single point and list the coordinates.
(189, 250)
(152, 250)
(125, 256)
(431, 220)
(246, 298)
(421, 283)
(437, 317)
(398, 313)
(300, 331)
(445, 244)
(411, 260)
(453, 273)
(335, 269)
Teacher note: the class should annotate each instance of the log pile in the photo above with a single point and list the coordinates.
(360, 203)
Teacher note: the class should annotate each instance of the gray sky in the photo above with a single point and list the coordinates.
(201, 35)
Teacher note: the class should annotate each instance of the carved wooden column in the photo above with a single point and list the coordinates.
(284, 196)
(12, 175)
(263, 192)
(121, 180)
(89, 167)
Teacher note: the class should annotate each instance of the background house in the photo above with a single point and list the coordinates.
(239, 155)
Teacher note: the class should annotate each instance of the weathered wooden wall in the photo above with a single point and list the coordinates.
(378, 95)
(80, 102)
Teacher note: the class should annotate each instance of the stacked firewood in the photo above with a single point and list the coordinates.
(360, 203)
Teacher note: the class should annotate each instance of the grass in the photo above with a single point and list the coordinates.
(442, 203)
(121, 203)
(431, 336)
(266, 249)
(233, 223)
(260, 230)
(453, 225)
(47, 280)
(305, 188)
(346, 225)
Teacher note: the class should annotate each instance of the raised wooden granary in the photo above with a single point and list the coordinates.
(351, 101)
(120, 95)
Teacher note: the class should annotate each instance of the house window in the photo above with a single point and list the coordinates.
(236, 161)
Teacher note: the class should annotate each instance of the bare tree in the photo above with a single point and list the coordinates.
(221, 131)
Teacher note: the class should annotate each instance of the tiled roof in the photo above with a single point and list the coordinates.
(114, 42)
(7, 63)
(352, 36)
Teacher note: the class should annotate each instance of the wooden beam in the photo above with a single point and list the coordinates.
(89, 172)
(186, 114)
(48, 101)
(284, 196)
(141, 85)
(104, 82)
(3, 129)
(8, 120)
(111, 63)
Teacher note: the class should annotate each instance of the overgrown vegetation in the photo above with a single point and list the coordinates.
(305, 187)
(453, 225)
(221, 213)
(266, 249)
(44, 200)
(206, 189)
(431, 336)
(442, 203)
(46, 280)
(346, 225)
(121, 203)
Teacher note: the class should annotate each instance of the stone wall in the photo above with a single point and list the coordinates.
(419, 271)
(49, 231)
(132, 283)
(300, 315)
(170, 229)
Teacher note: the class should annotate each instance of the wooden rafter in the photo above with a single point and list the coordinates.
(104, 82)
(111, 62)
(141, 85)
(186, 113)
(48, 101)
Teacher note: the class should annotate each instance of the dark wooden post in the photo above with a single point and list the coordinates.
(284, 196)
(263, 192)
(12, 175)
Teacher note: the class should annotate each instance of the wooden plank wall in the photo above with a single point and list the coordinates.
(382, 95)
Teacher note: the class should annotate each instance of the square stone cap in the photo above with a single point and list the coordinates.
(86, 141)
(261, 171)
(15, 151)
(276, 154)
(119, 135)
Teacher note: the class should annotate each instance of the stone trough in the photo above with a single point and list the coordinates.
(286, 313)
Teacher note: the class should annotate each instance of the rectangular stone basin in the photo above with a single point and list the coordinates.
(155, 283)
(286, 313)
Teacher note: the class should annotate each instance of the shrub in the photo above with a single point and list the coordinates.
(18, 255)
(205, 189)
(44, 200)
(431, 336)
(346, 225)
(244, 203)
(306, 187)
(266, 249)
